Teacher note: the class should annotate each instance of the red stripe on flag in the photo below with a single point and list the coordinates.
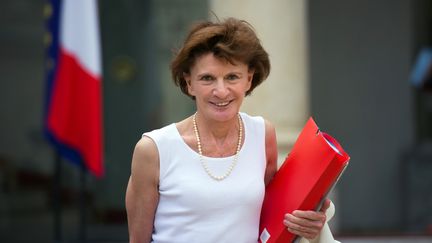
(75, 112)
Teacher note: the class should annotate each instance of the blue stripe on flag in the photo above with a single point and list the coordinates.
(52, 56)
(421, 67)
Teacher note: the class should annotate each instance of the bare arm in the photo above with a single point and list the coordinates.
(142, 194)
(271, 151)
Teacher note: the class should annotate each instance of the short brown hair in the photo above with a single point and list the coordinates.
(231, 40)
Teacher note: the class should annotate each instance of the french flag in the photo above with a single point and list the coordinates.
(73, 105)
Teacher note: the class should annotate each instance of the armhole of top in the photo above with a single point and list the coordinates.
(261, 126)
(263, 134)
(161, 168)
(257, 123)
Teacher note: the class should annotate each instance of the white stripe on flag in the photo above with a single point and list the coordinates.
(80, 33)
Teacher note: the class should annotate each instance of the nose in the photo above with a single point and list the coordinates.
(221, 89)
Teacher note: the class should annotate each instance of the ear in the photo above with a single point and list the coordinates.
(187, 78)
(250, 78)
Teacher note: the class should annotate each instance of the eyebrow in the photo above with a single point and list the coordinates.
(210, 74)
(237, 73)
(204, 74)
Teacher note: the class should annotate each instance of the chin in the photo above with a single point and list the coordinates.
(224, 114)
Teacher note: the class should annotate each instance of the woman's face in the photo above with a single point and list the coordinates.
(219, 87)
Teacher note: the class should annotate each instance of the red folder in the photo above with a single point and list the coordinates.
(309, 172)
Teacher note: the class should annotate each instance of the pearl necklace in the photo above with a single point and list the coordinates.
(204, 164)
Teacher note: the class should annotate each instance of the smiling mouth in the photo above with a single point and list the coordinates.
(221, 104)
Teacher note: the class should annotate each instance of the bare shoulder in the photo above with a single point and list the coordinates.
(269, 129)
(185, 129)
(271, 151)
(145, 160)
(146, 147)
(270, 136)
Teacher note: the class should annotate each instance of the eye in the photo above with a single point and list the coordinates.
(206, 78)
(232, 77)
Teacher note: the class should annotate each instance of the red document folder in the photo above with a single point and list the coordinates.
(309, 172)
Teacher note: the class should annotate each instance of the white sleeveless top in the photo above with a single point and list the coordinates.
(196, 208)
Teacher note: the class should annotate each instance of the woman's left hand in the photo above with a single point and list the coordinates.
(307, 224)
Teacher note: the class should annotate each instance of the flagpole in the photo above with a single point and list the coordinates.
(83, 222)
(57, 198)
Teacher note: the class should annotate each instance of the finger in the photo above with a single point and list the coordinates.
(302, 234)
(299, 228)
(306, 222)
(310, 215)
(301, 231)
(325, 205)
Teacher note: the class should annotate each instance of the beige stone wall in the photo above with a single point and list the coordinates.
(283, 97)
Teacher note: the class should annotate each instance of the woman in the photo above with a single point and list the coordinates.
(203, 179)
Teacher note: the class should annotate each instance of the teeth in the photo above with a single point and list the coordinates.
(222, 103)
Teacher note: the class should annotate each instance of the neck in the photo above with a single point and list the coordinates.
(223, 149)
(217, 130)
